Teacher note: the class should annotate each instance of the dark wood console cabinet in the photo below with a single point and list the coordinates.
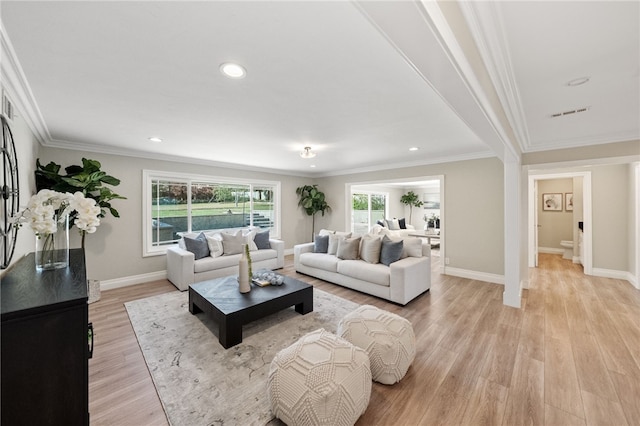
(45, 351)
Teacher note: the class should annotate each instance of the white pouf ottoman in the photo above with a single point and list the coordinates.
(320, 380)
(388, 339)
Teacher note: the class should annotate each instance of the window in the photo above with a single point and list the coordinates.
(176, 203)
(367, 209)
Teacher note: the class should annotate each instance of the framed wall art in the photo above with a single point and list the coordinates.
(568, 201)
(552, 202)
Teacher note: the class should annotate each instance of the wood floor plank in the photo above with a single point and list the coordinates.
(498, 366)
(602, 411)
(486, 404)
(561, 387)
(525, 402)
(591, 370)
(555, 416)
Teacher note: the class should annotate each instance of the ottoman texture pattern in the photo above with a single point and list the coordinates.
(388, 339)
(319, 380)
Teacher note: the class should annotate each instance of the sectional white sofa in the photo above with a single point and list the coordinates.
(400, 282)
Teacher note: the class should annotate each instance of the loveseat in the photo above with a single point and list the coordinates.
(188, 265)
(400, 281)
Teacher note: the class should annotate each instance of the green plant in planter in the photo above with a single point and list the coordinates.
(88, 179)
(312, 201)
(412, 200)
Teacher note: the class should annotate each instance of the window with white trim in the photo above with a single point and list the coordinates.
(366, 209)
(176, 203)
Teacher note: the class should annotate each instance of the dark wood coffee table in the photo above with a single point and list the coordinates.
(221, 300)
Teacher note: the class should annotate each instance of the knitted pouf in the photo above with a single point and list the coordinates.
(319, 380)
(388, 339)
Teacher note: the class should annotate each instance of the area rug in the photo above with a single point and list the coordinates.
(201, 383)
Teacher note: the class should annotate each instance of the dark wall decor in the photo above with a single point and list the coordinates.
(10, 198)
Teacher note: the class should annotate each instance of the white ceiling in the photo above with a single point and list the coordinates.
(355, 81)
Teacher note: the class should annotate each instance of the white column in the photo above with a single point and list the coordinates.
(512, 231)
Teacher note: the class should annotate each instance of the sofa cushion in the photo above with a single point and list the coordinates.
(198, 246)
(391, 251)
(215, 244)
(321, 244)
(348, 248)
(361, 270)
(210, 263)
(370, 248)
(412, 247)
(333, 243)
(262, 240)
(249, 236)
(326, 262)
(232, 243)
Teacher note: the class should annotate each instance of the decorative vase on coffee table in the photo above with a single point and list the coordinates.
(244, 277)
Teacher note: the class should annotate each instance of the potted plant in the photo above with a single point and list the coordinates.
(87, 179)
(312, 201)
(412, 200)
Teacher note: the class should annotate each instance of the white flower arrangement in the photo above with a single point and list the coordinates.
(46, 205)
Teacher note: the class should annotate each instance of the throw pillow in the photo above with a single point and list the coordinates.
(402, 223)
(333, 243)
(321, 244)
(348, 248)
(381, 223)
(232, 244)
(215, 245)
(198, 246)
(391, 251)
(370, 248)
(249, 235)
(324, 232)
(343, 234)
(262, 240)
(393, 224)
(412, 247)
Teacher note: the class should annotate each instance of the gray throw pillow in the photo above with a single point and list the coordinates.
(321, 244)
(333, 243)
(198, 246)
(348, 248)
(262, 240)
(391, 251)
(232, 244)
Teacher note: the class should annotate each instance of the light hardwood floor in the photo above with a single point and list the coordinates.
(570, 356)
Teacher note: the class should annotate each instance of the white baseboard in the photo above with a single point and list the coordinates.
(611, 273)
(132, 280)
(288, 252)
(550, 250)
(474, 275)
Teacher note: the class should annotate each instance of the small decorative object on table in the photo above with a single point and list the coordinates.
(244, 270)
(264, 278)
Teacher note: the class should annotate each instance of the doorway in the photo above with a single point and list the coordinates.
(586, 217)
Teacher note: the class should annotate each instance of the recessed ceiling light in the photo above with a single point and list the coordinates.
(155, 139)
(312, 166)
(578, 81)
(414, 148)
(232, 70)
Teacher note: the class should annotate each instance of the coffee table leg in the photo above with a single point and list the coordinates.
(192, 306)
(307, 303)
(230, 333)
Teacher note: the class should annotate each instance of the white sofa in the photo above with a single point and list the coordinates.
(379, 229)
(183, 270)
(400, 282)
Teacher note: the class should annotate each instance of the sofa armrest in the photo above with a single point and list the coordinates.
(278, 246)
(298, 250)
(180, 267)
(409, 277)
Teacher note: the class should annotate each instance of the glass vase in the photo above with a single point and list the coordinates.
(52, 250)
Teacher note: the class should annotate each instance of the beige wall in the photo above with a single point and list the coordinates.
(115, 250)
(474, 217)
(611, 207)
(554, 226)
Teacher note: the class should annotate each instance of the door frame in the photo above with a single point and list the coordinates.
(587, 217)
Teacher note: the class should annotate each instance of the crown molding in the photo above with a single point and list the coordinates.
(14, 81)
(579, 142)
(486, 25)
